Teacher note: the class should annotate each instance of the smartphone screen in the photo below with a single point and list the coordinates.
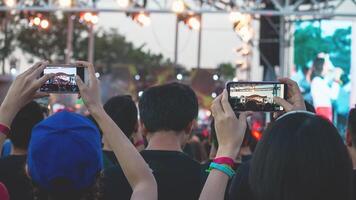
(64, 81)
(255, 96)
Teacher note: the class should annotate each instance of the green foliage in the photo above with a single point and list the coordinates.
(308, 43)
(227, 71)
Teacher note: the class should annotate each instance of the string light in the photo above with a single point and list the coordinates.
(89, 18)
(44, 24)
(193, 22)
(37, 21)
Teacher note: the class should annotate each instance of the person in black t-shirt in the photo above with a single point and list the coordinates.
(351, 142)
(123, 111)
(167, 114)
(12, 168)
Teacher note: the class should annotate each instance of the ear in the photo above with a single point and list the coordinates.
(348, 139)
(188, 130)
(143, 128)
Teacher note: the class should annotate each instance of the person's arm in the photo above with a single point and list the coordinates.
(137, 172)
(22, 91)
(230, 131)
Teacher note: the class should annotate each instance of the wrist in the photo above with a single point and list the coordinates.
(227, 152)
(7, 114)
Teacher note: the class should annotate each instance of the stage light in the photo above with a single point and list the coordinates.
(215, 77)
(37, 21)
(87, 16)
(179, 77)
(13, 71)
(94, 19)
(140, 93)
(193, 22)
(178, 6)
(97, 74)
(65, 3)
(246, 33)
(10, 3)
(123, 3)
(137, 77)
(214, 95)
(44, 24)
(142, 18)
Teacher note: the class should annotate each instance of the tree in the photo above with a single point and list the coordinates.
(227, 71)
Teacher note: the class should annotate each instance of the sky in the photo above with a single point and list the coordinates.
(218, 38)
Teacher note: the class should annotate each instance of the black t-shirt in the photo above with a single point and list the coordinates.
(13, 175)
(110, 159)
(354, 192)
(178, 177)
(239, 188)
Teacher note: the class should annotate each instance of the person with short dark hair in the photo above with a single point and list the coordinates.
(65, 156)
(167, 115)
(12, 167)
(123, 111)
(351, 142)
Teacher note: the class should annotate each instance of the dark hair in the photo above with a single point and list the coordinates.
(123, 111)
(351, 125)
(301, 156)
(168, 107)
(24, 121)
(318, 66)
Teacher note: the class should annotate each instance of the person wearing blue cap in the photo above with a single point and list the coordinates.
(64, 156)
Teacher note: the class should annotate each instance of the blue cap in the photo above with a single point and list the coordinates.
(65, 146)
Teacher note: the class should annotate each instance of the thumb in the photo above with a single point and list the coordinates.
(80, 83)
(282, 102)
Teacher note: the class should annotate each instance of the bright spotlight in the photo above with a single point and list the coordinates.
(37, 21)
(123, 3)
(140, 93)
(193, 23)
(137, 77)
(65, 3)
(94, 19)
(141, 18)
(10, 3)
(246, 33)
(214, 95)
(97, 74)
(44, 24)
(88, 16)
(215, 77)
(178, 6)
(179, 77)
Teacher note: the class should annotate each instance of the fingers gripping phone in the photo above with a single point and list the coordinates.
(256, 96)
(64, 81)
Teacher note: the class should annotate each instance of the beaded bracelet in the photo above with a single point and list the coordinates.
(226, 169)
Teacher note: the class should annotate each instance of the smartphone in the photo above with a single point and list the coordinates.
(64, 81)
(256, 96)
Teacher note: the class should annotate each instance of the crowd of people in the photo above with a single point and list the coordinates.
(114, 154)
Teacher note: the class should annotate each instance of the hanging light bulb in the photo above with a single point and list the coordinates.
(178, 6)
(193, 22)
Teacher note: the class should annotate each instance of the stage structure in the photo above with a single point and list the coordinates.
(191, 12)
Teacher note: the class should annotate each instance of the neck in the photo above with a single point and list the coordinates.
(18, 152)
(165, 141)
(352, 152)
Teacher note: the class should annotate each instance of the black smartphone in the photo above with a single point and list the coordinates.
(256, 96)
(64, 81)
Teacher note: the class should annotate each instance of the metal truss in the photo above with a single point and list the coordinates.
(316, 8)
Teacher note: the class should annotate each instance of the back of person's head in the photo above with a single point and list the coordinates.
(64, 156)
(170, 107)
(123, 111)
(318, 67)
(22, 125)
(351, 126)
(301, 156)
